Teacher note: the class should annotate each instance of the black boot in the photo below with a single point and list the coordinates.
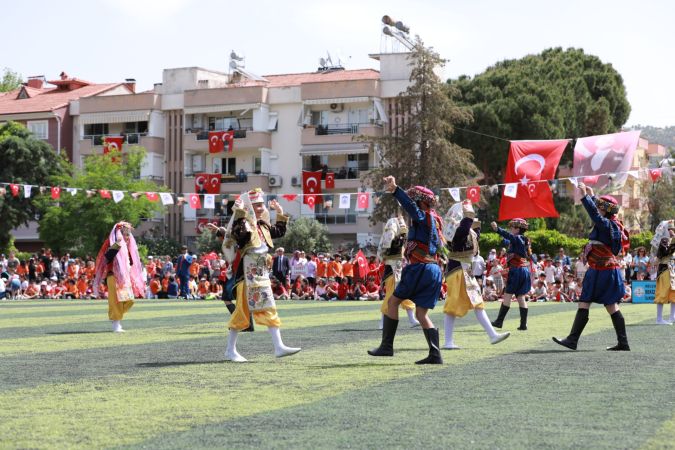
(431, 334)
(620, 327)
(503, 310)
(386, 348)
(578, 326)
(230, 307)
(250, 325)
(523, 319)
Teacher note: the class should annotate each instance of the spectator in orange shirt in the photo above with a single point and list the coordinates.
(374, 269)
(59, 290)
(216, 287)
(82, 286)
(150, 268)
(33, 291)
(344, 290)
(71, 290)
(348, 270)
(155, 285)
(203, 288)
(321, 266)
(332, 289)
(372, 290)
(194, 268)
(335, 268)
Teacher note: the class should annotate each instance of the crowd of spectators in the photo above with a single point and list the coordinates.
(301, 276)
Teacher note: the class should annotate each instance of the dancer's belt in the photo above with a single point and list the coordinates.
(515, 260)
(417, 252)
(600, 257)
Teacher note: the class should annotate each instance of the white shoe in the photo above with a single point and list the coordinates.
(451, 346)
(414, 324)
(500, 337)
(663, 322)
(117, 326)
(235, 357)
(282, 351)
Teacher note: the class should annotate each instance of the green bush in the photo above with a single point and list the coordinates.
(543, 241)
(642, 239)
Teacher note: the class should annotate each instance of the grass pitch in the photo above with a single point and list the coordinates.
(66, 381)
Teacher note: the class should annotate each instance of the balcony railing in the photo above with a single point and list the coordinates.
(347, 128)
(129, 138)
(238, 134)
(343, 173)
(335, 219)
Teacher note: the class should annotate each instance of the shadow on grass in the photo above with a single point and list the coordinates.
(354, 365)
(641, 325)
(555, 350)
(79, 332)
(349, 330)
(160, 364)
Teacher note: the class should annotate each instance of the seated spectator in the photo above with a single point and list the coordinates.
(489, 292)
(215, 287)
(155, 286)
(203, 289)
(172, 288)
(298, 288)
(320, 290)
(278, 290)
(33, 290)
(345, 290)
(71, 290)
(59, 290)
(628, 296)
(540, 292)
(372, 290)
(332, 289)
(82, 286)
(3, 288)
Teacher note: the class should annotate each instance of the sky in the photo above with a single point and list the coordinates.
(110, 40)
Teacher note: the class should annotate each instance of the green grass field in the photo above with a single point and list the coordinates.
(68, 382)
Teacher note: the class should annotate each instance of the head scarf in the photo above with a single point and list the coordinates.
(519, 223)
(126, 275)
(661, 233)
(421, 194)
(608, 204)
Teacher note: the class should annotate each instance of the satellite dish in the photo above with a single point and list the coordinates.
(329, 60)
(387, 20)
(233, 65)
(322, 62)
(399, 25)
(235, 57)
(387, 31)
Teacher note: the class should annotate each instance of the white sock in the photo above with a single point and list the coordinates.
(279, 348)
(659, 312)
(381, 322)
(411, 317)
(232, 353)
(449, 322)
(672, 312)
(483, 319)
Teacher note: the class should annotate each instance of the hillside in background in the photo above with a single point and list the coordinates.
(664, 136)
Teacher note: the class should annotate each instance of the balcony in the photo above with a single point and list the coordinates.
(112, 103)
(345, 178)
(338, 133)
(347, 89)
(198, 140)
(93, 144)
(232, 184)
(225, 96)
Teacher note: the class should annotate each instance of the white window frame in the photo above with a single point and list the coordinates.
(44, 123)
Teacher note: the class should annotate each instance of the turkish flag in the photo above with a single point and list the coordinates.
(473, 194)
(362, 200)
(213, 183)
(529, 162)
(56, 193)
(362, 262)
(152, 196)
(228, 138)
(330, 180)
(311, 184)
(15, 189)
(111, 143)
(310, 200)
(195, 201)
(201, 225)
(290, 197)
(654, 174)
(105, 193)
(216, 141)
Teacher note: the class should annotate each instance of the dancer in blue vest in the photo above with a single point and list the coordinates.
(518, 262)
(603, 282)
(421, 279)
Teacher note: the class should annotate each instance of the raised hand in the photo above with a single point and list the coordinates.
(276, 206)
(494, 226)
(389, 183)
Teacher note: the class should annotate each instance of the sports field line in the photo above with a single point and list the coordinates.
(91, 412)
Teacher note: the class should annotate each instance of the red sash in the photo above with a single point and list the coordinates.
(514, 260)
(416, 252)
(600, 257)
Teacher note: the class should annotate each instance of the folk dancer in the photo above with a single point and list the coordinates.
(603, 282)
(120, 266)
(518, 282)
(421, 279)
(663, 247)
(462, 233)
(390, 252)
(253, 233)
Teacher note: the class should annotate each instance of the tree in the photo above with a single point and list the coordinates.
(555, 94)
(305, 234)
(10, 80)
(419, 151)
(661, 200)
(25, 160)
(208, 242)
(79, 223)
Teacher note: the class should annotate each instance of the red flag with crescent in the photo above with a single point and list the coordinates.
(105, 193)
(654, 174)
(56, 193)
(216, 141)
(152, 196)
(473, 194)
(530, 162)
(310, 200)
(111, 143)
(362, 200)
(213, 183)
(362, 262)
(15, 189)
(289, 197)
(201, 226)
(330, 180)
(311, 184)
(228, 139)
(195, 201)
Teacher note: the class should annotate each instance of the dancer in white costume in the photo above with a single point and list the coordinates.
(462, 233)
(663, 248)
(390, 252)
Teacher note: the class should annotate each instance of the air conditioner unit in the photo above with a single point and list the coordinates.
(275, 181)
(337, 107)
(295, 181)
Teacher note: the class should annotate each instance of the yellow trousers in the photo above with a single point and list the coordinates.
(664, 294)
(457, 302)
(116, 309)
(389, 286)
(240, 319)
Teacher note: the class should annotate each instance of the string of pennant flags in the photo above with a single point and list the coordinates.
(194, 199)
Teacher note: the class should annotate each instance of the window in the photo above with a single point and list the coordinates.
(320, 117)
(273, 122)
(95, 129)
(257, 163)
(194, 164)
(358, 161)
(227, 123)
(136, 127)
(229, 166)
(39, 128)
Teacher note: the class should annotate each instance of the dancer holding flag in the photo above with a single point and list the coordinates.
(421, 279)
(663, 247)
(119, 264)
(518, 261)
(462, 233)
(603, 282)
(253, 233)
(390, 252)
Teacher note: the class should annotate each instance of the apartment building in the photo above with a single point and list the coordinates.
(282, 124)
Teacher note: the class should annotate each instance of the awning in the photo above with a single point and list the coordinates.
(220, 108)
(337, 149)
(380, 110)
(328, 101)
(115, 117)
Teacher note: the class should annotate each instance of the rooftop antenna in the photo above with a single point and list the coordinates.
(397, 30)
(237, 66)
(326, 64)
